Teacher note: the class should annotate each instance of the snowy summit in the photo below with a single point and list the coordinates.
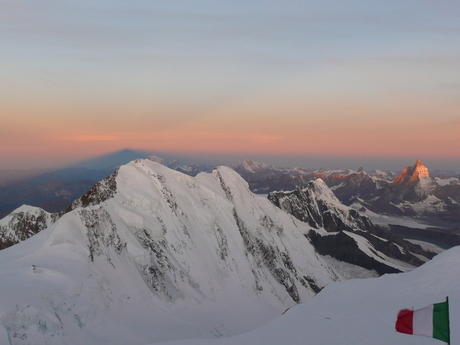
(149, 251)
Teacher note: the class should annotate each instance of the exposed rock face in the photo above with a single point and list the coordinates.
(381, 251)
(415, 184)
(27, 221)
(354, 238)
(344, 247)
(412, 173)
(100, 192)
(360, 185)
(23, 223)
(453, 191)
(416, 193)
(451, 186)
(317, 205)
(443, 238)
(101, 233)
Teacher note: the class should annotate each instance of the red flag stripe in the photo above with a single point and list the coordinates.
(404, 321)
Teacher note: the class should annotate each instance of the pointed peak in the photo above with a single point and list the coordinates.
(360, 170)
(319, 185)
(420, 170)
(418, 163)
(412, 174)
(318, 181)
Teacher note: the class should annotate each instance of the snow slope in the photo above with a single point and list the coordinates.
(362, 311)
(151, 254)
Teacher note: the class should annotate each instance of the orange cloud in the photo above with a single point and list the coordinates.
(91, 138)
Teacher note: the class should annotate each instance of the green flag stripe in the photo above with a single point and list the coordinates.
(441, 329)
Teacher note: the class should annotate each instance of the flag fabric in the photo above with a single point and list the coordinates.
(431, 321)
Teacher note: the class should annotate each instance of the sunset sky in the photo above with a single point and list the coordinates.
(370, 83)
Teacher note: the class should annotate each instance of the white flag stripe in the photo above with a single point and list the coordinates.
(423, 321)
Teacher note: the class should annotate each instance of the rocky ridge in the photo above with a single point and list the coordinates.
(341, 232)
(23, 223)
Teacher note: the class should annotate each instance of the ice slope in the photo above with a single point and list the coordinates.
(362, 311)
(151, 254)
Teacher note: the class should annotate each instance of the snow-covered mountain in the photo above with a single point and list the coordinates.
(150, 250)
(54, 190)
(359, 184)
(249, 169)
(263, 178)
(342, 233)
(414, 184)
(23, 223)
(191, 169)
(317, 205)
(416, 193)
(412, 193)
(384, 175)
(362, 311)
(346, 183)
(451, 186)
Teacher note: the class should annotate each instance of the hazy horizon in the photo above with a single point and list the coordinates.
(334, 84)
(394, 164)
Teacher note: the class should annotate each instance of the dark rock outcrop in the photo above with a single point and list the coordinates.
(351, 237)
(23, 223)
(317, 205)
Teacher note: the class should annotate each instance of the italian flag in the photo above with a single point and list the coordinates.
(431, 321)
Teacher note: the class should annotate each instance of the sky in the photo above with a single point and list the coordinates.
(364, 83)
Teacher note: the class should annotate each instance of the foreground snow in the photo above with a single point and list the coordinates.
(361, 311)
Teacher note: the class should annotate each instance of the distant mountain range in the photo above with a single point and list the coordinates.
(413, 192)
(55, 190)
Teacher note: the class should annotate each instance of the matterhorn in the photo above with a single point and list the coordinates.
(414, 184)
